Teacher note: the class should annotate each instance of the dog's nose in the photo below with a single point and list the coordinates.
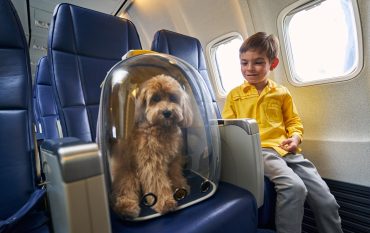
(166, 113)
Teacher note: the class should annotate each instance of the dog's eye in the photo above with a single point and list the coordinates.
(173, 98)
(156, 98)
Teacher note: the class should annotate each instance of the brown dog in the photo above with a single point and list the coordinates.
(151, 160)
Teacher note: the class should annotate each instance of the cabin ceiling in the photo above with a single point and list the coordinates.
(37, 20)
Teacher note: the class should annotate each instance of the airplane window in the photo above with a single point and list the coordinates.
(225, 62)
(323, 42)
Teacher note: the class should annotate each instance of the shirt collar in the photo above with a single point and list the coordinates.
(246, 86)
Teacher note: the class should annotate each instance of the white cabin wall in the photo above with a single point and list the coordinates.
(336, 116)
(206, 19)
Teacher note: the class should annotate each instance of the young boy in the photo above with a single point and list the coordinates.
(296, 178)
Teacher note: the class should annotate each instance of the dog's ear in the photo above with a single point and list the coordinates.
(187, 111)
(140, 105)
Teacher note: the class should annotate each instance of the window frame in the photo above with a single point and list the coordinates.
(211, 56)
(287, 55)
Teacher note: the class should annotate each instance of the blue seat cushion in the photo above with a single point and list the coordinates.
(35, 222)
(218, 214)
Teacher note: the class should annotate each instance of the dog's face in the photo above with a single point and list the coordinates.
(162, 101)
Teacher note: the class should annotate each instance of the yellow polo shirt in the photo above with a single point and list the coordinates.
(273, 109)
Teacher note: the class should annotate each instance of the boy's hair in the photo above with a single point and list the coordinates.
(262, 43)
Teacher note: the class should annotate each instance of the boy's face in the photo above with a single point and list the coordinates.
(255, 66)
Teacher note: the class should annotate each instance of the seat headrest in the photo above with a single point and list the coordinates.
(185, 47)
(11, 33)
(42, 72)
(80, 31)
(14, 59)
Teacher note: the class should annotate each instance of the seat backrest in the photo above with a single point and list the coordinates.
(83, 45)
(45, 108)
(17, 175)
(188, 49)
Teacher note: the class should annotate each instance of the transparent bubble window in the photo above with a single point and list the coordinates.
(158, 135)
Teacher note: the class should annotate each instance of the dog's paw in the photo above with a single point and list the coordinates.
(166, 205)
(127, 207)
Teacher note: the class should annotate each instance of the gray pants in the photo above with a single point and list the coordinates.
(296, 179)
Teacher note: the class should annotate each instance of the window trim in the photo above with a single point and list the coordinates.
(211, 57)
(302, 4)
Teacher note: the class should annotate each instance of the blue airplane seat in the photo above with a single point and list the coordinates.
(82, 49)
(21, 207)
(230, 209)
(45, 108)
(189, 49)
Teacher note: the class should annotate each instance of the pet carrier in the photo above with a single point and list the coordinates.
(157, 132)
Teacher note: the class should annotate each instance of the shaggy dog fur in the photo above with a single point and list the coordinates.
(151, 160)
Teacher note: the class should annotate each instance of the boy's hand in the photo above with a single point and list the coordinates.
(291, 144)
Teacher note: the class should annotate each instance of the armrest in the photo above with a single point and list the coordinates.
(241, 156)
(75, 186)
